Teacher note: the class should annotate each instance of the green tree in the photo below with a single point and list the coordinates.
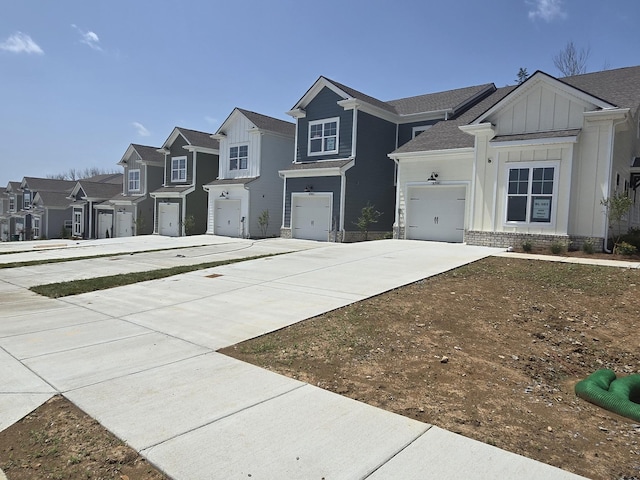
(263, 222)
(368, 216)
(616, 207)
(522, 75)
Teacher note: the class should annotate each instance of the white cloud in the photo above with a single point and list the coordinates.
(142, 131)
(211, 120)
(21, 43)
(547, 10)
(89, 38)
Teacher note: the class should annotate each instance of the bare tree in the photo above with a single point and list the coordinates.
(78, 174)
(571, 61)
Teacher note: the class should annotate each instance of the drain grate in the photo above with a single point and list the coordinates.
(213, 275)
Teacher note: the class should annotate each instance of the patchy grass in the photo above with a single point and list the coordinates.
(76, 287)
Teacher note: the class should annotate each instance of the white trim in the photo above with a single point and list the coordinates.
(186, 168)
(419, 129)
(534, 142)
(453, 152)
(354, 132)
(343, 194)
(129, 189)
(311, 194)
(323, 137)
(554, 194)
(195, 148)
(320, 171)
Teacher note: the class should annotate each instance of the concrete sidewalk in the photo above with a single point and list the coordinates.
(141, 360)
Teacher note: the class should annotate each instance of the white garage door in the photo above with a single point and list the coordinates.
(124, 224)
(311, 217)
(436, 213)
(226, 219)
(168, 223)
(105, 225)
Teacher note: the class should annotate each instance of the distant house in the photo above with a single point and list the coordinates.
(190, 162)
(530, 163)
(133, 206)
(4, 215)
(39, 219)
(340, 163)
(246, 198)
(92, 213)
(14, 221)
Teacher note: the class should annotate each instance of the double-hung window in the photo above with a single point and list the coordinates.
(26, 200)
(238, 157)
(134, 180)
(12, 203)
(179, 169)
(35, 228)
(323, 136)
(531, 193)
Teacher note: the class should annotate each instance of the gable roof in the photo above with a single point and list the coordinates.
(13, 186)
(105, 178)
(270, 124)
(620, 86)
(194, 138)
(97, 189)
(148, 154)
(52, 199)
(36, 184)
(452, 100)
(353, 93)
(446, 135)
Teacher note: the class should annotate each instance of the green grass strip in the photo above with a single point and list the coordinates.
(76, 287)
(30, 263)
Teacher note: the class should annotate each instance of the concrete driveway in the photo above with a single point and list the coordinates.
(142, 360)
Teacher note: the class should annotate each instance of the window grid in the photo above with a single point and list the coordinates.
(134, 180)
(179, 169)
(35, 228)
(238, 157)
(530, 194)
(323, 136)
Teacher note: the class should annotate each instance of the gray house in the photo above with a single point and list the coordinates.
(4, 215)
(92, 213)
(340, 163)
(39, 219)
(13, 221)
(133, 206)
(190, 162)
(246, 199)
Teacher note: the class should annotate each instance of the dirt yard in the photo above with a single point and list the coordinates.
(491, 351)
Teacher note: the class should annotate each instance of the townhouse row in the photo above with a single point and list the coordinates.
(481, 165)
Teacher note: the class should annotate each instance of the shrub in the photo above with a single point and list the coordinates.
(588, 247)
(624, 248)
(557, 248)
(527, 246)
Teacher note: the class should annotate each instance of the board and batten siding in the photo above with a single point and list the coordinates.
(133, 163)
(542, 109)
(324, 105)
(177, 150)
(237, 134)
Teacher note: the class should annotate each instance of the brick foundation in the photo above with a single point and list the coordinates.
(516, 240)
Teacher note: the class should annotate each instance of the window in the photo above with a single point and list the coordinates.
(26, 199)
(179, 169)
(530, 194)
(12, 203)
(323, 136)
(420, 129)
(238, 157)
(35, 228)
(134, 180)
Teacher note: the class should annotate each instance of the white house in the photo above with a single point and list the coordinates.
(248, 190)
(528, 163)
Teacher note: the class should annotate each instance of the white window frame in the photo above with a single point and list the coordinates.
(35, 227)
(238, 160)
(554, 194)
(416, 130)
(12, 203)
(77, 223)
(131, 182)
(175, 171)
(26, 200)
(324, 136)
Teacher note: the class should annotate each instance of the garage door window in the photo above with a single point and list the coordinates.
(530, 194)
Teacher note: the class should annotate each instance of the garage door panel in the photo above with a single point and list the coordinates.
(226, 219)
(168, 219)
(105, 224)
(311, 217)
(124, 224)
(436, 213)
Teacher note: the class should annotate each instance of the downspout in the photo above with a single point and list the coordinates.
(90, 220)
(343, 188)
(396, 221)
(284, 199)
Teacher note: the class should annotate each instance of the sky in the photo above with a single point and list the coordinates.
(80, 80)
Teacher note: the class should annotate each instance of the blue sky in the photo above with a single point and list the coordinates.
(81, 80)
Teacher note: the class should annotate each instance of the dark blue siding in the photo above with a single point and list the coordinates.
(324, 105)
(405, 131)
(320, 185)
(371, 179)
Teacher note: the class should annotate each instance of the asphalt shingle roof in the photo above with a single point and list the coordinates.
(449, 100)
(270, 124)
(49, 184)
(233, 181)
(147, 153)
(101, 190)
(54, 199)
(105, 178)
(363, 96)
(199, 139)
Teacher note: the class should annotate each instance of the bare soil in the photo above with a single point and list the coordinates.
(491, 351)
(60, 441)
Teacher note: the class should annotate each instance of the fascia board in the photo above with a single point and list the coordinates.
(195, 148)
(534, 142)
(426, 154)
